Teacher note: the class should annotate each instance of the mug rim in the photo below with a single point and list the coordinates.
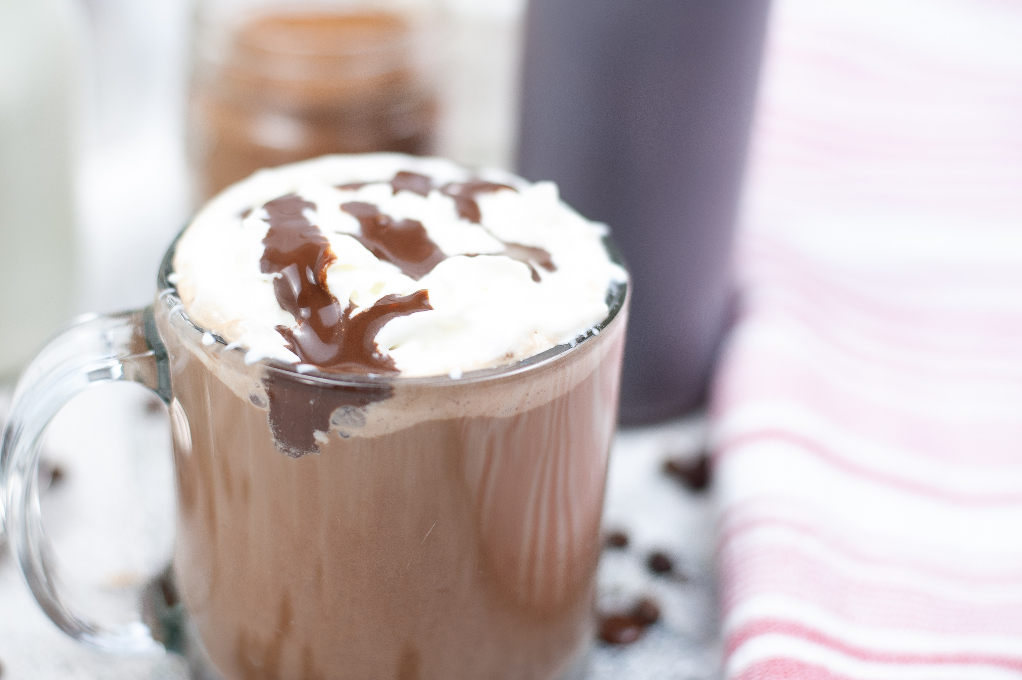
(618, 294)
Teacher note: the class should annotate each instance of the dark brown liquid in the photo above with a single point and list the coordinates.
(299, 85)
(403, 243)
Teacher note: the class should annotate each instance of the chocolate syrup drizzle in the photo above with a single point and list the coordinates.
(295, 249)
(530, 256)
(333, 339)
(337, 340)
(464, 195)
(412, 181)
(404, 243)
(351, 186)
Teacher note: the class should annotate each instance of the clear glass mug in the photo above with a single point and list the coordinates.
(445, 528)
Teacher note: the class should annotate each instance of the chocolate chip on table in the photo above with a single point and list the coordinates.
(57, 475)
(50, 474)
(621, 629)
(659, 563)
(616, 539)
(168, 590)
(647, 611)
(153, 404)
(693, 473)
(626, 628)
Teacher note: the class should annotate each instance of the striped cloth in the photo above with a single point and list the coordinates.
(867, 416)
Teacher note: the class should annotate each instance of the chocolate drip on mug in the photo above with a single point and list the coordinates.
(326, 336)
(403, 243)
(299, 408)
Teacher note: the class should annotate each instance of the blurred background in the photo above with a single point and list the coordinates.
(853, 199)
(123, 117)
(117, 118)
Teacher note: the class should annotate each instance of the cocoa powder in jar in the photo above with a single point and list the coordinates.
(283, 87)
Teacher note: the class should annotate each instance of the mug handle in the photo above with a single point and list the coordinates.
(96, 349)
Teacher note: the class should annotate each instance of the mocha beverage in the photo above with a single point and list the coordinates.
(394, 387)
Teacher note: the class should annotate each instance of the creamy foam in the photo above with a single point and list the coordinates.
(509, 269)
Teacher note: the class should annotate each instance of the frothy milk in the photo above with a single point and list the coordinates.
(395, 384)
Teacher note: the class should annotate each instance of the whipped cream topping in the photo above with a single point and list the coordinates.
(509, 270)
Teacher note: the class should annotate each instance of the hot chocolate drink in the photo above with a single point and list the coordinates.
(394, 387)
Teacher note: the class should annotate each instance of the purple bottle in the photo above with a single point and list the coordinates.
(641, 111)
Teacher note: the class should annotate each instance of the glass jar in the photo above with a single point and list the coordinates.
(276, 82)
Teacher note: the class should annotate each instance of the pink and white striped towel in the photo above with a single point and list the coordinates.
(867, 417)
